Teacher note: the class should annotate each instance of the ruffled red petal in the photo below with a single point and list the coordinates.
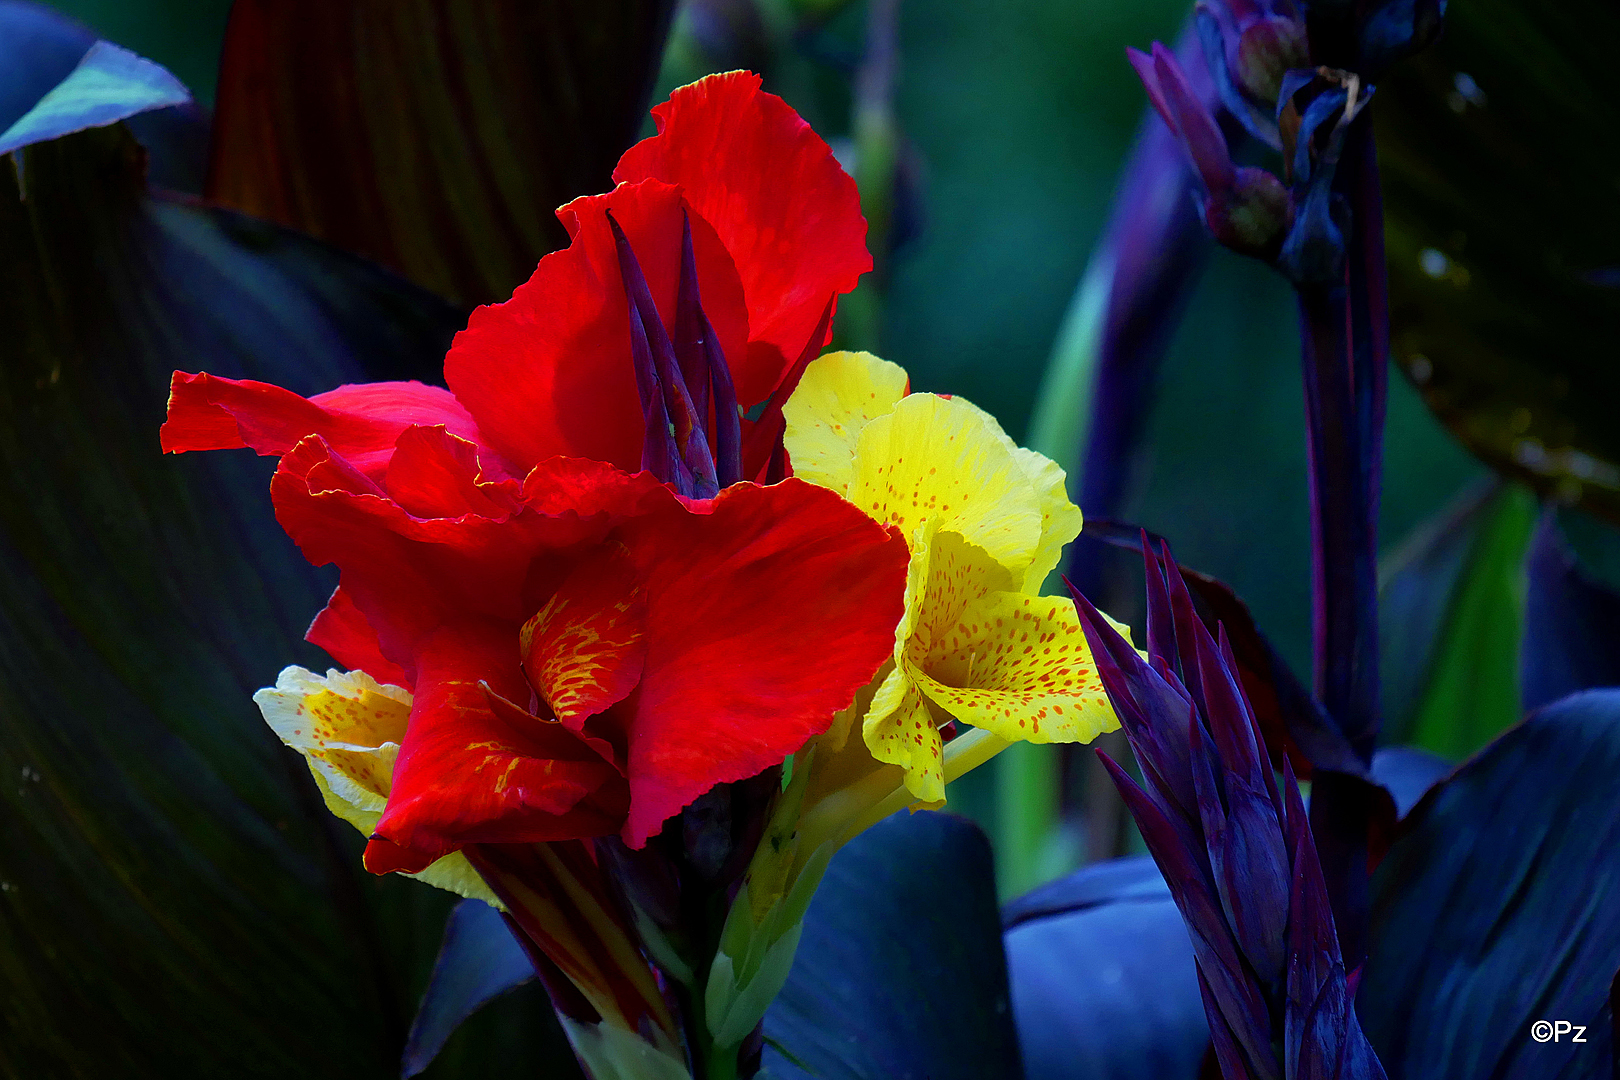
(474, 768)
(766, 611)
(344, 632)
(412, 575)
(786, 211)
(434, 474)
(362, 422)
(550, 372)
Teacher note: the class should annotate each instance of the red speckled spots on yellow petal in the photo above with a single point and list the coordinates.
(948, 575)
(933, 458)
(1045, 691)
(900, 730)
(586, 648)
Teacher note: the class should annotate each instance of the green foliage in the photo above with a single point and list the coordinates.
(1451, 616)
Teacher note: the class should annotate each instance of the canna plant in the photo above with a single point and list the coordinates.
(580, 593)
(649, 623)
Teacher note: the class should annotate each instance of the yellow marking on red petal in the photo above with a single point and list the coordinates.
(839, 394)
(586, 648)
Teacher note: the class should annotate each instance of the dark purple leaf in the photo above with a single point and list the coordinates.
(901, 973)
(1495, 908)
(1103, 981)
(1571, 624)
(435, 138)
(478, 961)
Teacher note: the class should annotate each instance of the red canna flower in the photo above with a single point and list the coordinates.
(588, 646)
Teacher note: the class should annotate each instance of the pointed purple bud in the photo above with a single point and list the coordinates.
(1188, 624)
(1173, 96)
(690, 468)
(1396, 29)
(1152, 708)
(692, 331)
(1161, 623)
(704, 368)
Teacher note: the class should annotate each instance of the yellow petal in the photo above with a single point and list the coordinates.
(1061, 520)
(1018, 666)
(347, 725)
(839, 395)
(900, 730)
(946, 575)
(453, 873)
(934, 457)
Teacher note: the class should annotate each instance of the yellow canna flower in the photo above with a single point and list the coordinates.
(348, 727)
(986, 523)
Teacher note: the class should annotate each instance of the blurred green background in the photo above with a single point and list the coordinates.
(1016, 116)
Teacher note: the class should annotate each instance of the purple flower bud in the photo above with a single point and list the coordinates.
(1247, 209)
(1250, 45)
(1173, 96)
(1254, 216)
(1236, 850)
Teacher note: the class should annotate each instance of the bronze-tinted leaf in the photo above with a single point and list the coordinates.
(1498, 147)
(174, 899)
(435, 136)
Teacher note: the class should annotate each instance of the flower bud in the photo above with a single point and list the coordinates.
(1253, 215)
(1249, 45)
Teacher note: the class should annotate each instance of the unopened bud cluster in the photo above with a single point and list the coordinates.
(1294, 95)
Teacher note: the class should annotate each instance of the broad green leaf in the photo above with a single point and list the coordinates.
(434, 138)
(1451, 611)
(1497, 147)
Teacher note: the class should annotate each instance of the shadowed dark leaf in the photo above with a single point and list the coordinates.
(176, 901)
(436, 137)
(478, 961)
(1496, 908)
(40, 48)
(1103, 981)
(1502, 301)
(1571, 624)
(900, 974)
(1407, 773)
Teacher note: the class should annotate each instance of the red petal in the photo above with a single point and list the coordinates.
(784, 208)
(585, 649)
(412, 575)
(361, 422)
(550, 372)
(766, 611)
(475, 769)
(342, 630)
(433, 474)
